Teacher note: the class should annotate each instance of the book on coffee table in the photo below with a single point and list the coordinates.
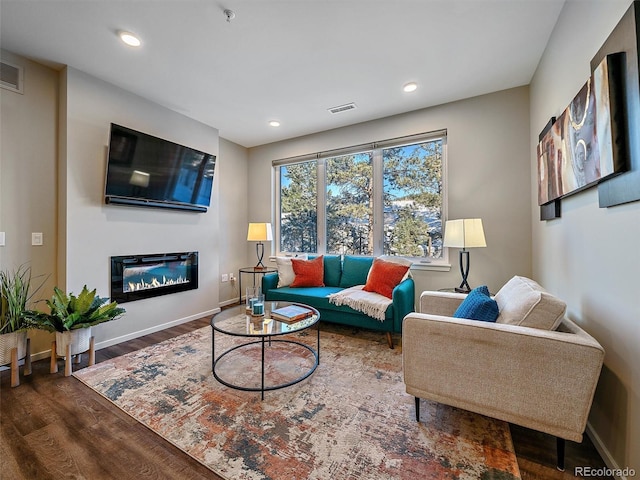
(291, 313)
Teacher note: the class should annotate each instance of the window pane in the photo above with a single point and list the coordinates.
(298, 208)
(350, 204)
(412, 177)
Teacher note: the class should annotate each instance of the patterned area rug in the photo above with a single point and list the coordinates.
(351, 419)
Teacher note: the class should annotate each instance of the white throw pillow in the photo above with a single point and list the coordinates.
(285, 269)
(522, 301)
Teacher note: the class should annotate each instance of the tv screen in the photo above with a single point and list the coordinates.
(143, 170)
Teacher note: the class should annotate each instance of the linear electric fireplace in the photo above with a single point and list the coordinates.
(135, 277)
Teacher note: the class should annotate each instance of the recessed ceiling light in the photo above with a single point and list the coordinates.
(410, 87)
(274, 123)
(129, 38)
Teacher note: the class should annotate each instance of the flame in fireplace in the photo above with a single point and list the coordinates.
(154, 283)
(134, 277)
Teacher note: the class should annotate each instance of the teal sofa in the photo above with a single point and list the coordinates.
(339, 274)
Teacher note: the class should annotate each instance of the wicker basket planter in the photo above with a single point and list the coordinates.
(72, 343)
(14, 347)
(12, 340)
(79, 340)
(71, 318)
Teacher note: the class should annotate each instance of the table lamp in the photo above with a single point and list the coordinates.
(464, 233)
(259, 232)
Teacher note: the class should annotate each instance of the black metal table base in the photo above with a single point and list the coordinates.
(264, 388)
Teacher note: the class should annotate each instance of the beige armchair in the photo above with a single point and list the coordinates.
(537, 378)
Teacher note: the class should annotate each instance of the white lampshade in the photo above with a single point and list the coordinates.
(464, 233)
(259, 232)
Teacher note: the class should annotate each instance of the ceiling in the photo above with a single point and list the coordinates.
(288, 60)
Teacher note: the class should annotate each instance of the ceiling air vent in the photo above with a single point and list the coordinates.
(11, 77)
(343, 108)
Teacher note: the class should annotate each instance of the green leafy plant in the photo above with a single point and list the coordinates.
(69, 312)
(15, 295)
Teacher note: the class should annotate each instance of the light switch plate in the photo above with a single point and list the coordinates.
(36, 238)
(2, 239)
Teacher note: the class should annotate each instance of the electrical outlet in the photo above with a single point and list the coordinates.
(225, 277)
(36, 238)
(232, 277)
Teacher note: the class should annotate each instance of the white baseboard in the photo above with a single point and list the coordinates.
(603, 451)
(156, 328)
(226, 303)
(130, 336)
(40, 355)
(34, 358)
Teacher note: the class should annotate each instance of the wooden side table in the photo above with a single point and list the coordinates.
(451, 290)
(457, 290)
(254, 271)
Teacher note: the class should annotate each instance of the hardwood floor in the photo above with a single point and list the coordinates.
(54, 427)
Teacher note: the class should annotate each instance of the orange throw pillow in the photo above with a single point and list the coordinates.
(309, 273)
(384, 277)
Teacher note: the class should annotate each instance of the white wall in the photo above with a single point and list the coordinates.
(488, 176)
(80, 232)
(28, 164)
(590, 257)
(234, 200)
(90, 232)
(28, 139)
(59, 128)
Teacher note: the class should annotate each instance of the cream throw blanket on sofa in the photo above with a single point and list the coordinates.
(370, 303)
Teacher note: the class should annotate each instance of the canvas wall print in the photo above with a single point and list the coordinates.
(582, 147)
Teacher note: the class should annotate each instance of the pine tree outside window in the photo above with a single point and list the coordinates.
(386, 198)
(298, 208)
(412, 195)
(349, 204)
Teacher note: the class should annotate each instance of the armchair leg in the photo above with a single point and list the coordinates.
(560, 452)
(390, 340)
(417, 409)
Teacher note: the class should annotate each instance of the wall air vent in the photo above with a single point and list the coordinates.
(11, 77)
(343, 108)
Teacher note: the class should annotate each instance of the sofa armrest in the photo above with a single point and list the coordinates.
(403, 297)
(539, 379)
(440, 303)
(269, 281)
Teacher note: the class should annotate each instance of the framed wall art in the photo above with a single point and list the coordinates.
(625, 37)
(583, 146)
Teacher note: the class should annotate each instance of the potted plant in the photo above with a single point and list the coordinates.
(15, 295)
(71, 318)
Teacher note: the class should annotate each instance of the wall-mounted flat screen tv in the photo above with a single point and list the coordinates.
(143, 170)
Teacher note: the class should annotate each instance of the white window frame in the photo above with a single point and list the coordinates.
(419, 263)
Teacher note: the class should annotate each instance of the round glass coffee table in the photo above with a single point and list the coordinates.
(264, 332)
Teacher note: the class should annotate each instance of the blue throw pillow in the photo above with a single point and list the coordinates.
(332, 270)
(478, 306)
(355, 270)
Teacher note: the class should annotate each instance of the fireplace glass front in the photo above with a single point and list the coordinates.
(135, 277)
